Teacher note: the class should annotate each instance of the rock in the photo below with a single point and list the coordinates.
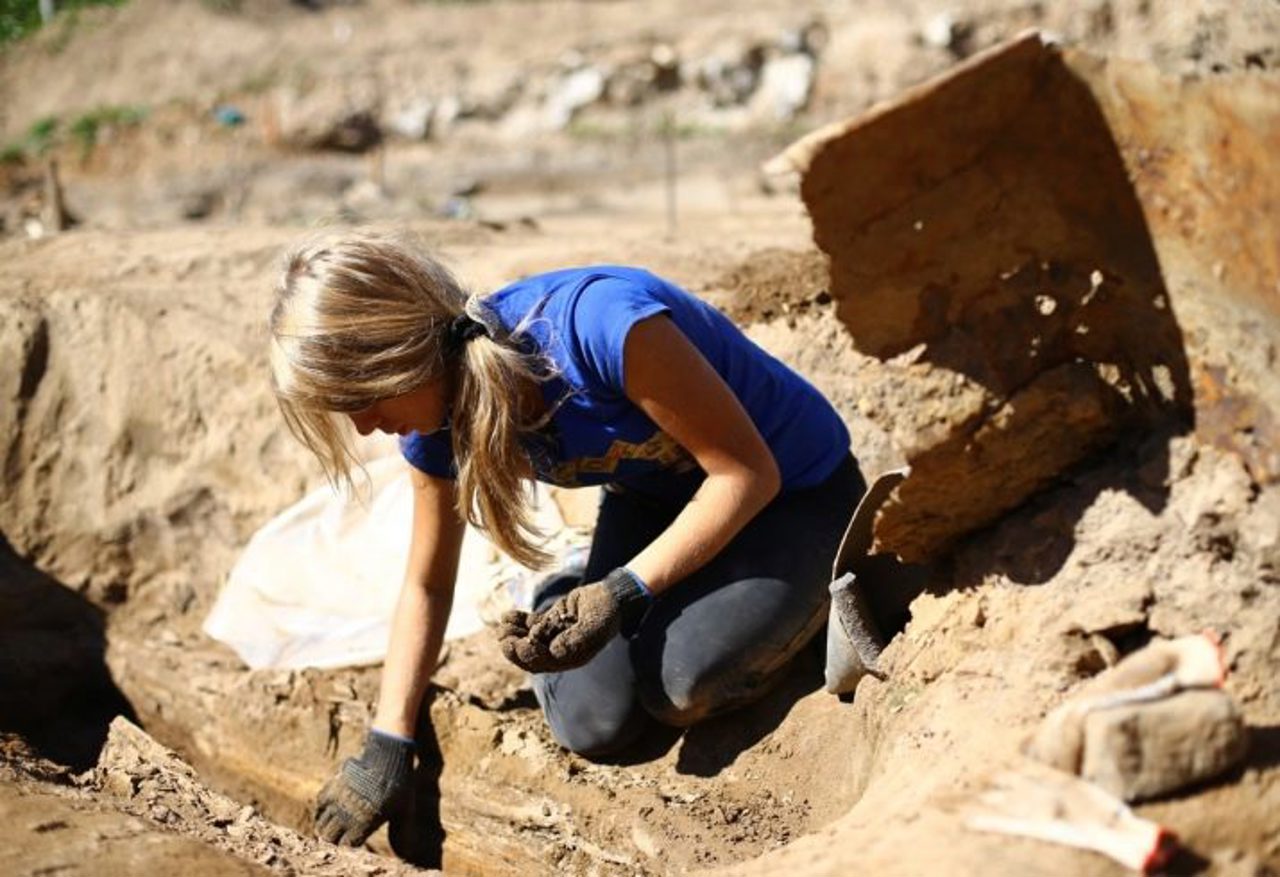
(644, 842)
(633, 82)
(730, 79)
(939, 31)
(666, 67)
(945, 31)
(364, 195)
(1147, 750)
(119, 783)
(223, 811)
(809, 39)
(785, 85)
(446, 114)
(412, 119)
(575, 91)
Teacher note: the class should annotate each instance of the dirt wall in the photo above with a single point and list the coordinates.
(1080, 492)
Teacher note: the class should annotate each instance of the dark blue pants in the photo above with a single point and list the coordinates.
(710, 643)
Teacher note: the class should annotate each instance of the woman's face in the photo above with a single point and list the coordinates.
(421, 410)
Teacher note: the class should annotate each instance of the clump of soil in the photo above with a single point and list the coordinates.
(774, 284)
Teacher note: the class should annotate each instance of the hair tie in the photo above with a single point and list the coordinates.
(463, 328)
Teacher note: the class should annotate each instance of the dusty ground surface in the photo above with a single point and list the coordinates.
(141, 447)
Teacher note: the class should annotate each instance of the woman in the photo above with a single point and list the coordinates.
(728, 482)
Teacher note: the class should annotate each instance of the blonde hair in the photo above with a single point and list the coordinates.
(362, 316)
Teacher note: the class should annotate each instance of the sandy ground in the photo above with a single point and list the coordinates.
(141, 449)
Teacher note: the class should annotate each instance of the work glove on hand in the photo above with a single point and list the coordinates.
(366, 790)
(572, 631)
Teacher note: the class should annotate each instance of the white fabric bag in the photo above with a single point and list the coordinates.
(316, 586)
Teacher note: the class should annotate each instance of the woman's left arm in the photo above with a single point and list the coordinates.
(672, 382)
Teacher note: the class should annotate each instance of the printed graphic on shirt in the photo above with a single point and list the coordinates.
(659, 448)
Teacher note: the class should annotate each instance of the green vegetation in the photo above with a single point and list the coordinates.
(223, 7)
(18, 18)
(41, 134)
(84, 131)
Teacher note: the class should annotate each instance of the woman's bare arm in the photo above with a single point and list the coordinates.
(672, 382)
(422, 610)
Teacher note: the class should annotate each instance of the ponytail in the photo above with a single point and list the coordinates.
(493, 468)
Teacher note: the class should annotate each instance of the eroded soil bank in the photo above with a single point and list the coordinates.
(1163, 534)
(141, 449)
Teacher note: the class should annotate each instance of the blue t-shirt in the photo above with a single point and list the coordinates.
(579, 319)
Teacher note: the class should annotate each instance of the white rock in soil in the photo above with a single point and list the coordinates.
(445, 115)
(412, 120)
(573, 92)
(939, 31)
(785, 85)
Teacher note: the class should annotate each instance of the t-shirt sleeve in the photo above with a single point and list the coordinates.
(431, 453)
(603, 314)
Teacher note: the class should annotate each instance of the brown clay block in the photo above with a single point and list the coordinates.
(1149, 749)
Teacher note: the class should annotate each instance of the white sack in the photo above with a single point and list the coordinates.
(316, 586)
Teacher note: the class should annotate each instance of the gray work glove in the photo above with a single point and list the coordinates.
(366, 790)
(572, 631)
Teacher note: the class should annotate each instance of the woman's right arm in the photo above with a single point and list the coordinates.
(367, 788)
(422, 610)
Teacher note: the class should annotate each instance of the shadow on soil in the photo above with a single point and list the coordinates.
(712, 745)
(55, 690)
(1264, 747)
(1030, 544)
(417, 834)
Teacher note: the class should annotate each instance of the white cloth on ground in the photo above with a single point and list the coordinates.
(317, 585)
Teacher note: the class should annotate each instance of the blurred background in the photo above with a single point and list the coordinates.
(163, 112)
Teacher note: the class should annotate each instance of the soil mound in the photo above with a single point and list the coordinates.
(1046, 280)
